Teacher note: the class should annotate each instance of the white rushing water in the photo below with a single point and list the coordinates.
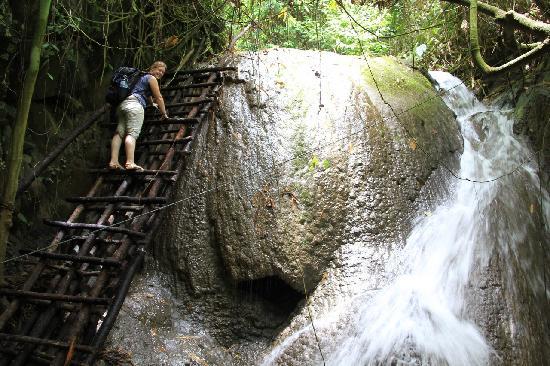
(420, 316)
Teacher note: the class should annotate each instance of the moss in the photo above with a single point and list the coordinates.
(403, 87)
(300, 149)
(323, 221)
(419, 108)
(305, 197)
(388, 68)
(296, 106)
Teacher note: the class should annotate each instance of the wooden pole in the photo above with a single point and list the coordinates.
(27, 181)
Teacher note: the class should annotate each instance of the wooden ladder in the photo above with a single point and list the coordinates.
(69, 302)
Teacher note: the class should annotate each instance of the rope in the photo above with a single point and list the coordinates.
(311, 318)
(319, 75)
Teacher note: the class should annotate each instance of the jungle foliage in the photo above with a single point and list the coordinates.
(431, 34)
(87, 39)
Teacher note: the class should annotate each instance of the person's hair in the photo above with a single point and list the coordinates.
(157, 64)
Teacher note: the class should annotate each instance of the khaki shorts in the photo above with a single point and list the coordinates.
(130, 116)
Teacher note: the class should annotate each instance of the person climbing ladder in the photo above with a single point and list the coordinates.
(131, 112)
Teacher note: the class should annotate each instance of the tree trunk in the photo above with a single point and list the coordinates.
(15, 152)
(518, 21)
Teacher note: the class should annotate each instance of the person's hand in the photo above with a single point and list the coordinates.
(156, 105)
(164, 116)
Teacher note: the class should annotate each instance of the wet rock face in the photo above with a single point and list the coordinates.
(508, 291)
(526, 93)
(303, 158)
(156, 328)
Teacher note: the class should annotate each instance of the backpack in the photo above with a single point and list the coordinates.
(123, 81)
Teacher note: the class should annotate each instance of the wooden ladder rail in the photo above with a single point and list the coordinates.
(49, 314)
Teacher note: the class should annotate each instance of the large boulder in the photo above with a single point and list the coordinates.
(315, 150)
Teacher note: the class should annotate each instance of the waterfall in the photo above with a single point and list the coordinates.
(420, 317)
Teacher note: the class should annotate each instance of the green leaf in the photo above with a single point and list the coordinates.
(50, 76)
(313, 163)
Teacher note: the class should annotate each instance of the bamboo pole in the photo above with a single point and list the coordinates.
(15, 154)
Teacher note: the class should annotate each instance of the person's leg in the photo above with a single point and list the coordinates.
(130, 148)
(135, 121)
(117, 138)
(115, 148)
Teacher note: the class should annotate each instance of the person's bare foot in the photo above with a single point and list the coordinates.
(115, 166)
(133, 166)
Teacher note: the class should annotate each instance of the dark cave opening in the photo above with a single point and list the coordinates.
(279, 297)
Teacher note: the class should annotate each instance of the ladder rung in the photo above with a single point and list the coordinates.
(202, 71)
(156, 121)
(117, 208)
(171, 121)
(133, 172)
(97, 240)
(55, 297)
(186, 104)
(95, 309)
(113, 229)
(44, 342)
(172, 130)
(102, 240)
(165, 141)
(190, 86)
(158, 153)
(197, 95)
(185, 113)
(115, 179)
(114, 199)
(75, 258)
(162, 153)
(42, 358)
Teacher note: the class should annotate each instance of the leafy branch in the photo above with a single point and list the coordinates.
(510, 20)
